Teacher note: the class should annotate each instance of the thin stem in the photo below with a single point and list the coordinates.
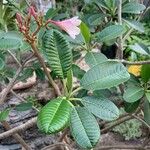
(75, 91)
(40, 58)
(133, 63)
(119, 53)
(13, 56)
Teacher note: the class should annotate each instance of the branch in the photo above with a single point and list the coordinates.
(16, 136)
(132, 63)
(22, 127)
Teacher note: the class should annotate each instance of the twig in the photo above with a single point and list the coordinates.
(132, 63)
(135, 63)
(129, 147)
(13, 56)
(10, 85)
(20, 128)
(55, 145)
(119, 53)
(141, 120)
(16, 136)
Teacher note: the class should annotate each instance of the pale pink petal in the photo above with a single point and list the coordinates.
(69, 25)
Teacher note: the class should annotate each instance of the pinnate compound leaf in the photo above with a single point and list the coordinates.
(84, 127)
(58, 52)
(54, 116)
(104, 75)
(101, 107)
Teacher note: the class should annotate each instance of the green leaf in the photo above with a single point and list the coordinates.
(133, 7)
(101, 3)
(58, 52)
(105, 75)
(131, 107)
(10, 41)
(147, 111)
(93, 59)
(24, 106)
(140, 48)
(110, 33)
(145, 73)
(4, 114)
(84, 128)
(77, 71)
(148, 96)
(51, 13)
(135, 25)
(101, 107)
(96, 19)
(54, 116)
(133, 94)
(85, 31)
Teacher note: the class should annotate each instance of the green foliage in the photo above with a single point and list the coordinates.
(133, 7)
(145, 73)
(93, 59)
(24, 106)
(85, 32)
(54, 116)
(147, 111)
(133, 94)
(104, 75)
(58, 52)
(10, 40)
(4, 114)
(84, 128)
(101, 107)
(110, 33)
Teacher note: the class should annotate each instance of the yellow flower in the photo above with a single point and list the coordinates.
(135, 69)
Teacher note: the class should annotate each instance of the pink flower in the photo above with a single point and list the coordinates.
(69, 25)
(19, 19)
(32, 12)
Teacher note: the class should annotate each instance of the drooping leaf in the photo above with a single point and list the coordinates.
(84, 128)
(133, 94)
(140, 48)
(54, 116)
(85, 31)
(10, 41)
(110, 33)
(101, 107)
(147, 111)
(148, 96)
(57, 51)
(135, 25)
(145, 72)
(4, 114)
(133, 7)
(104, 75)
(24, 106)
(93, 59)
